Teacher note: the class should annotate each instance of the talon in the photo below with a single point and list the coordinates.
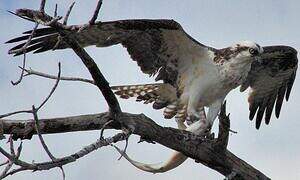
(210, 136)
(207, 133)
(192, 118)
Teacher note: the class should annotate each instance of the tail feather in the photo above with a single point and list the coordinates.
(171, 110)
(161, 95)
(143, 92)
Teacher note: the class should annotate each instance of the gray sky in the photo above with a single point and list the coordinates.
(274, 149)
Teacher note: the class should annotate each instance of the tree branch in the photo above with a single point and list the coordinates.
(191, 145)
(96, 12)
(62, 161)
(224, 127)
(30, 72)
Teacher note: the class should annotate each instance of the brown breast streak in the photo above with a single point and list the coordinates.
(225, 54)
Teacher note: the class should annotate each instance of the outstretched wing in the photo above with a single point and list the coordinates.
(270, 81)
(158, 46)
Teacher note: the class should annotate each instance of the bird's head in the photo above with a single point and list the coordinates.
(247, 51)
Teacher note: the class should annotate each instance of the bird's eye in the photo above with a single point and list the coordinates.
(253, 51)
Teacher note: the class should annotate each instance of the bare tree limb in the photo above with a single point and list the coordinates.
(9, 163)
(42, 104)
(65, 21)
(16, 112)
(55, 10)
(96, 12)
(4, 163)
(30, 72)
(193, 146)
(52, 90)
(37, 128)
(62, 161)
(42, 6)
(23, 50)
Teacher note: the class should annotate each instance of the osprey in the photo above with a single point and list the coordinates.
(194, 75)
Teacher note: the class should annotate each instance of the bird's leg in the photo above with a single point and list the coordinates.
(181, 117)
(198, 122)
(195, 109)
(180, 123)
(204, 125)
(213, 111)
(200, 113)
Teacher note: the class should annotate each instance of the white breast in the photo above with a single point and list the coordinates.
(209, 82)
(201, 80)
(233, 74)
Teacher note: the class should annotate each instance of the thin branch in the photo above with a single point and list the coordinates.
(53, 89)
(4, 163)
(62, 161)
(11, 145)
(23, 49)
(65, 21)
(96, 12)
(6, 169)
(104, 127)
(11, 163)
(19, 149)
(63, 172)
(55, 11)
(13, 113)
(42, 104)
(45, 147)
(41, 18)
(53, 21)
(42, 6)
(30, 72)
(125, 148)
(37, 128)
(14, 171)
(22, 72)
(14, 159)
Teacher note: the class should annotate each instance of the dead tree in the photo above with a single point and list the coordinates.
(211, 152)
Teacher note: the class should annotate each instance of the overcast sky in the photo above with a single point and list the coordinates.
(274, 149)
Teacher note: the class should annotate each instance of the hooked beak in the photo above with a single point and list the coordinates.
(259, 58)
